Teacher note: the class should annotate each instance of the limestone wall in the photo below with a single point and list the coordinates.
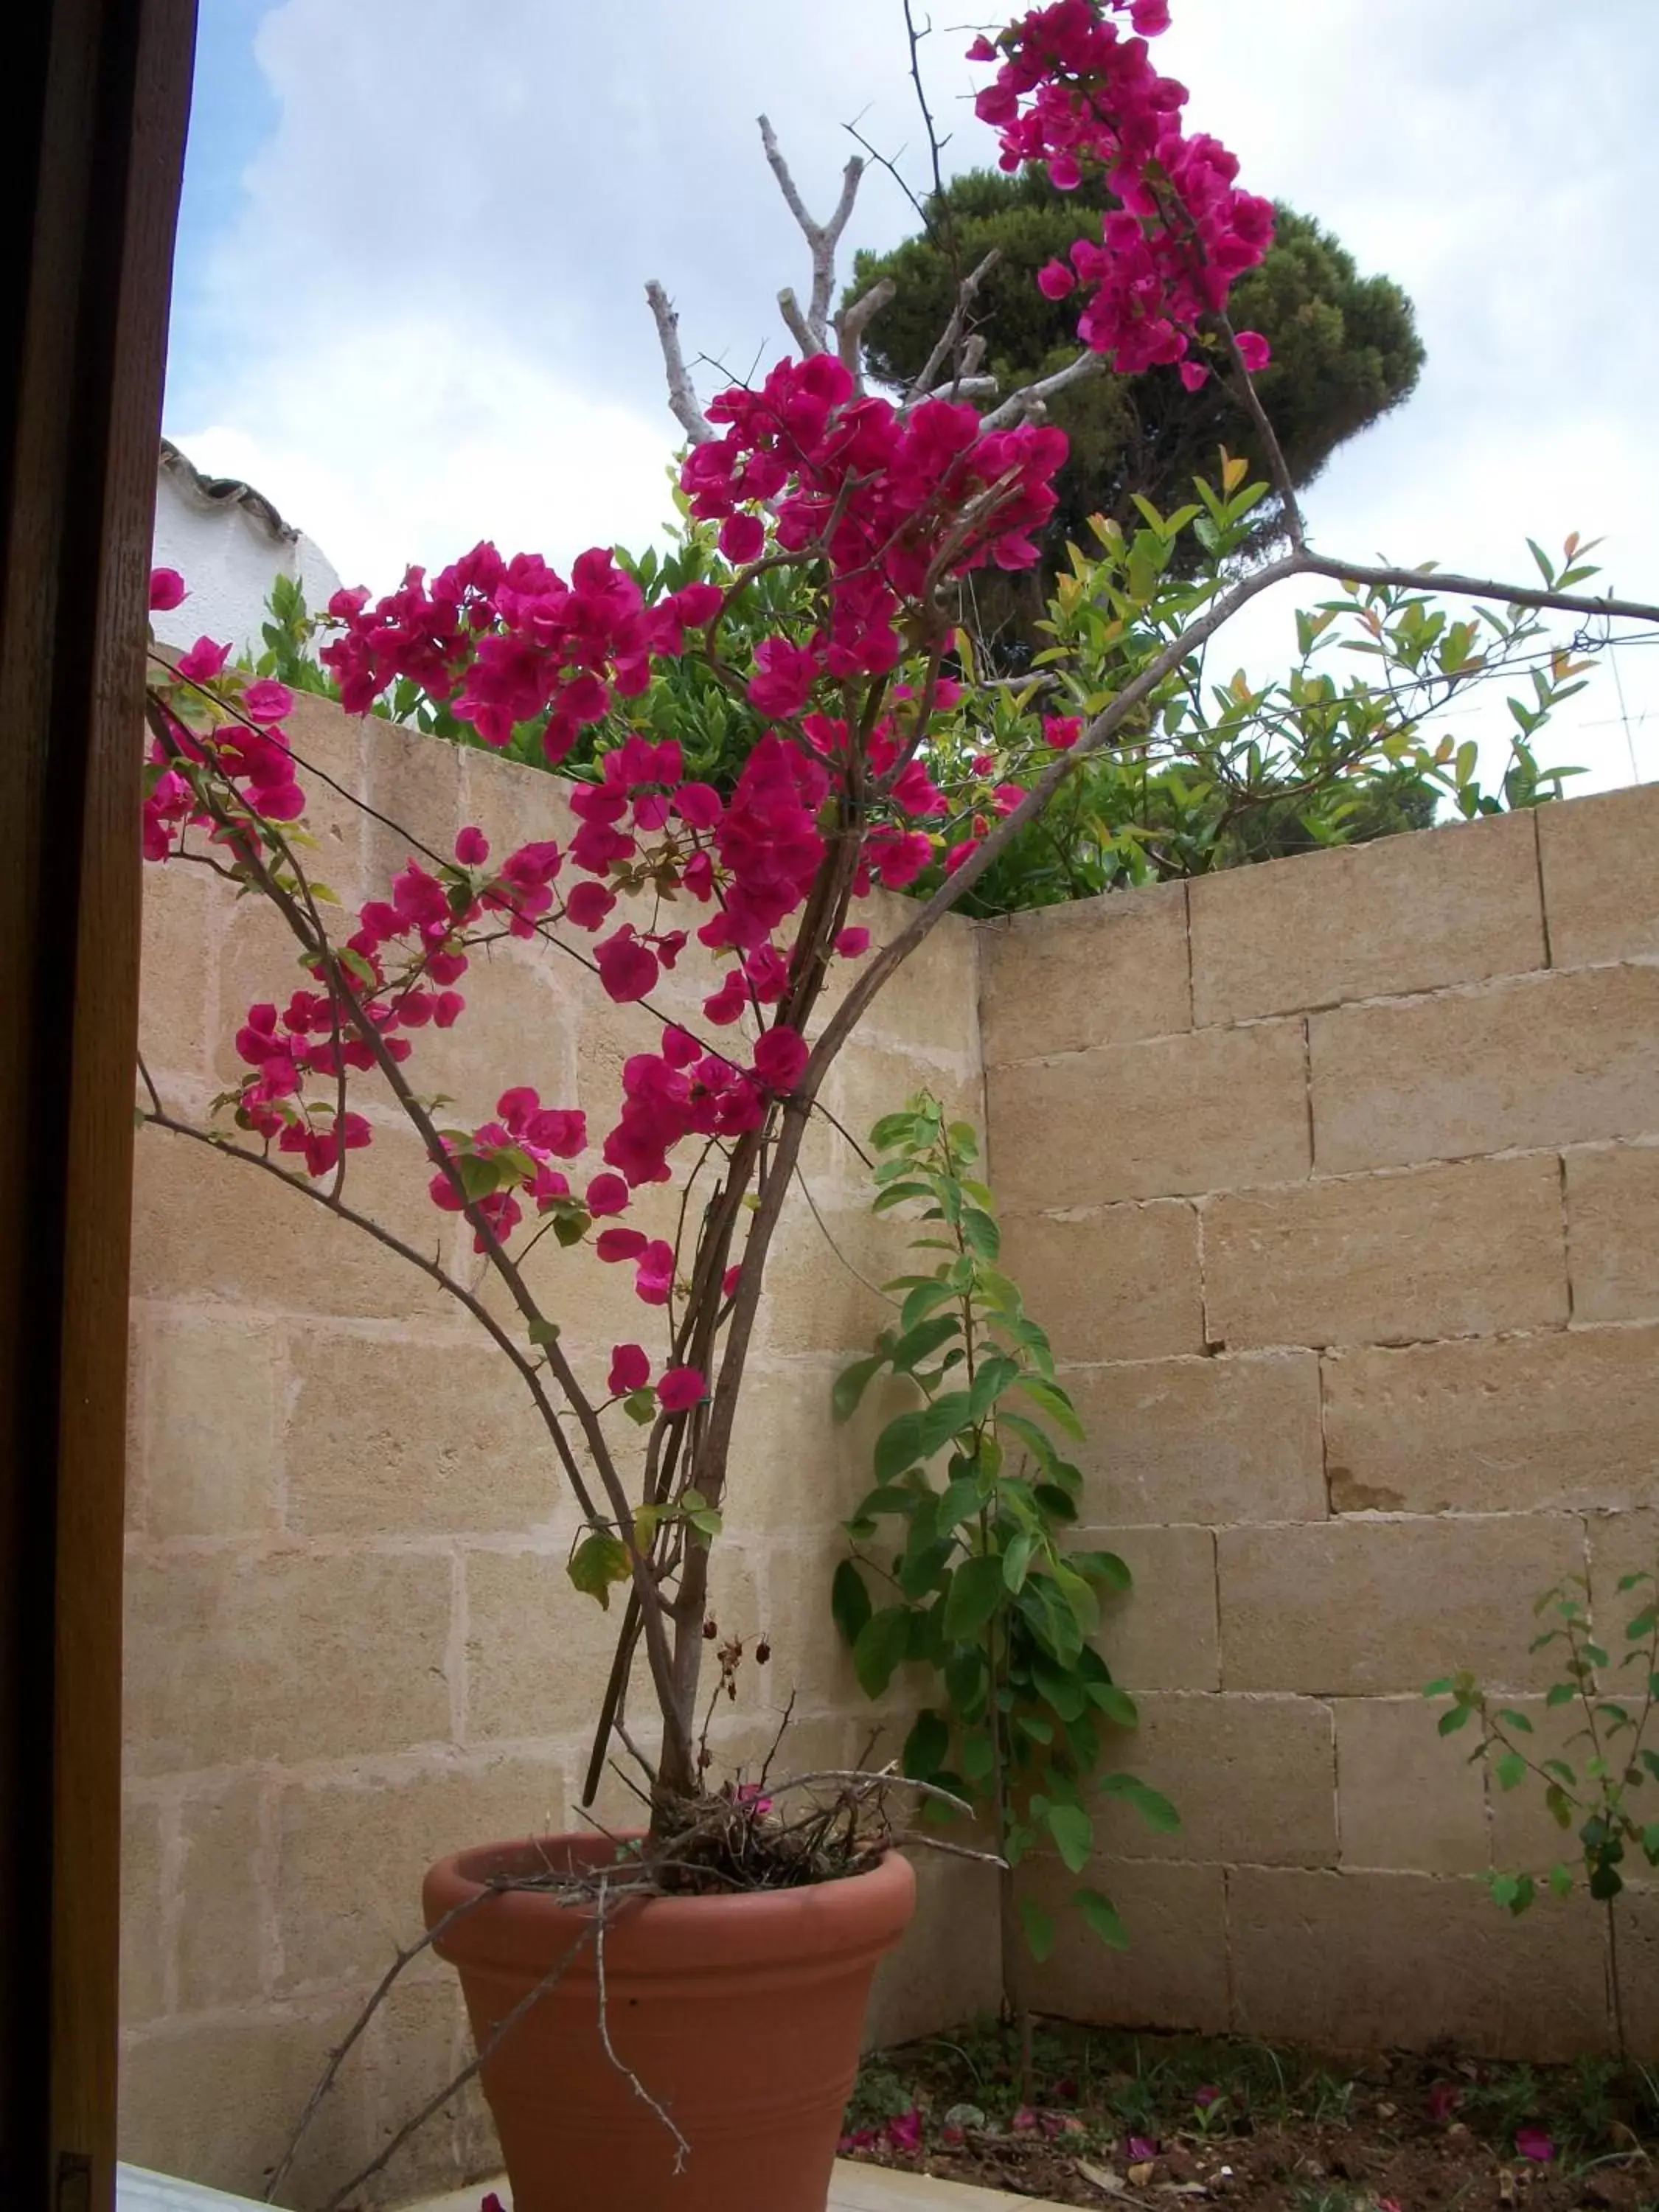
(351, 1642)
(1337, 1181)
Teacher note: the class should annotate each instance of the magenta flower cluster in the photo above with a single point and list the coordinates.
(1074, 91)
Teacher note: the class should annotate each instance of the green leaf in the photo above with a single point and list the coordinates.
(897, 1192)
(1101, 1916)
(926, 1745)
(995, 1375)
(915, 1344)
(1119, 1707)
(976, 1590)
(882, 1644)
(597, 1562)
(1154, 1806)
(921, 1300)
(543, 1332)
(640, 1405)
(978, 1756)
(893, 1129)
(947, 1417)
(1104, 1567)
(849, 1601)
(1073, 1832)
(569, 1229)
(888, 1497)
(981, 1234)
(1054, 1402)
(849, 1386)
(1458, 1717)
(898, 1447)
(1511, 1771)
(1016, 1563)
(1039, 1929)
(961, 1499)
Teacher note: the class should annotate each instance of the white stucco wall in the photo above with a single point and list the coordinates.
(229, 554)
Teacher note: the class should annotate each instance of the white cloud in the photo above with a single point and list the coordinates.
(426, 324)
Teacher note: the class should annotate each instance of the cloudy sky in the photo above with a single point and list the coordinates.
(410, 299)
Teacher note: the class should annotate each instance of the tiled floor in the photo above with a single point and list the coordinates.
(855, 2188)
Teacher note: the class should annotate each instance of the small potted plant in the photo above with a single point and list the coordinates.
(661, 2020)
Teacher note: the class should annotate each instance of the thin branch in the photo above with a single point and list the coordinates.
(681, 2148)
(797, 324)
(159, 1119)
(405, 1956)
(1105, 725)
(875, 1289)
(822, 238)
(1277, 467)
(1020, 405)
(945, 347)
(853, 321)
(436, 2104)
(682, 393)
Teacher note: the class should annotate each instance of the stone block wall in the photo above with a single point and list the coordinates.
(1338, 1182)
(351, 1642)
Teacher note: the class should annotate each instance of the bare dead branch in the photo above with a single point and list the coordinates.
(405, 1956)
(1020, 407)
(797, 324)
(435, 2103)
(946, 347)
(853, 321)
(682, 393)
(822, 238)
(681, 2148)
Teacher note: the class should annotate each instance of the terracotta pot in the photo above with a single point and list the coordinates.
(741, 2015)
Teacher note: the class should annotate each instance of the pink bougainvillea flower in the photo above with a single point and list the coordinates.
(628, 968)
(607, 1194)
(653, 1278)
(681, 1387)
(204, 661)
(904, 2133)
(1055, 280)
(492, 2203)
(1062, 731)
(1206, 2097)
(1253, 350)
(1533, 2142)
(781, 1057)
(857, 2139)
(620, 1244)
(630, 1368)
(167, 591)
(729, 1282)
(472, 847)
(1140, 2148)
(267, 702)
(588, 905)
(853, 943)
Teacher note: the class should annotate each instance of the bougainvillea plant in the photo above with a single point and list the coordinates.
(875, 509)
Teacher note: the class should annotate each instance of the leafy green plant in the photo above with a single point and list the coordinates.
(1593, 1794)
(1349, 744)
(962, 1559)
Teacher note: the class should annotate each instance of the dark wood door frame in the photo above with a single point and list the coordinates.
(97, 96)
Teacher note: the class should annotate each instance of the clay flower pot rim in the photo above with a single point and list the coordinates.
(738, 1929)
